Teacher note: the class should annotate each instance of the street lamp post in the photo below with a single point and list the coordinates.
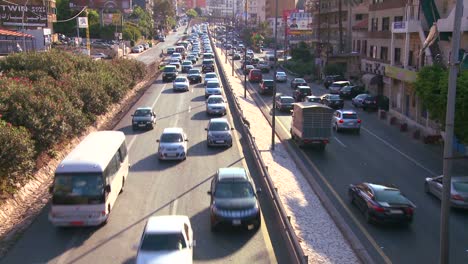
(273, 121)
(245, 52)
(232, 58)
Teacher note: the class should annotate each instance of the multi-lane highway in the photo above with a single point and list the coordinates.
(381, 154)
(159, 188)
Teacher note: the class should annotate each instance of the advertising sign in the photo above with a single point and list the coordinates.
(20, 15)
(122, 5)
(82, 22)
(297, 23)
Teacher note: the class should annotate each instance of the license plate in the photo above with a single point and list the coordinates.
(351, 123)
(236, 222)
(77, 223)
(219, 141)
(396, 211)
(142, 125)
(171, 154)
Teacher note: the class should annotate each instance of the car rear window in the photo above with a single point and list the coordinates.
(170, 69)
(461, 187)
(215, 100)
(212, 85)
(349, 116)
(391, 196)
(159, 242)
(268, 82)
(287, 100)
(233, 190)
(334, 97)
(208, 62)
(194, 71)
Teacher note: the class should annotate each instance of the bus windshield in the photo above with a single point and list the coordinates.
(76, 188)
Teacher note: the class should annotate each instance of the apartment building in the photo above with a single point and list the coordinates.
(270, 7)
(256, 11)
(221, 8)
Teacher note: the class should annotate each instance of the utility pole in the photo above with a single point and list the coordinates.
(449, 128)
(349, 32)
(245, 51)
(273, 121)
(340, 26)
(232, 58)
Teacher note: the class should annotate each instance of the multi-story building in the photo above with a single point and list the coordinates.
(270, 7)
(256, 11)
(221, 8)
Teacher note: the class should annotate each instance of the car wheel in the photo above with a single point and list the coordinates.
(338, 130)
(134, 128)
(358, 131)
(426, 187)
(364, 108)
(123, 186)
(213, 227)
(351, 198)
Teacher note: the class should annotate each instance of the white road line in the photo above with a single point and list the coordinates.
(403, 154)
(157, 98)
(174, 207)
(131, 142)
(189, 108)
(339, 141)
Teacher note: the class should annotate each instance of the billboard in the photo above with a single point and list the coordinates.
(122, 5)
(29, 16)
(297, 22)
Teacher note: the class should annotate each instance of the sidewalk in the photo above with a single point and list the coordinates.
(320, 238)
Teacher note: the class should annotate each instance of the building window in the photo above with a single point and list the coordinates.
(398, 19)
(364, 47)
(373, 52)
(358, 46)
(397, 56)
(385, 24)
(384, 53)
(358, 17)
(377, 1)
(374, 24)
(410, 58)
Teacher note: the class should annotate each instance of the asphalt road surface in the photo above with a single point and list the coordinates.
(382, 154)
(159, 188)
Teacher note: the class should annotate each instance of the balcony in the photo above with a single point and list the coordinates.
(406, 26)
(387, 5)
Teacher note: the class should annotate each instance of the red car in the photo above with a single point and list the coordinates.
(255, 75)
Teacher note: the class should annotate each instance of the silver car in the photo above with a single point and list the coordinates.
(357, 101)
(172, 144)
(210, 76)
(216, 105)
(181, 84)
(281, 76)
(458, 190)
(212, 88)
(219, 133)
(346, 120)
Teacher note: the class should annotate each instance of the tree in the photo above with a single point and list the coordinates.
(63, 13)
(164, 12)
(302, 52)
(432, 87)
(144, 21)
(192, 13)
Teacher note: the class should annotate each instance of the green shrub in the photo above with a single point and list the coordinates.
(300, 67)
(16, 155)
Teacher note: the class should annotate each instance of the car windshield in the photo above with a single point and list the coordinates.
(349, 116)
(194, 71)
(210, 75)
(233, 189)
(180, 80)
(391, 196)
(142, 112)
(281, 74)
(187, 63)
(171, 138)
(346, 88)
(218, 126)
(78, 188)
(212, 85)
(170, 69)
(268, 82)
(287, 100)
(299, 81)
(159, 242)
(461, 186)
(215, 100)
(210, 62)
(334, 97)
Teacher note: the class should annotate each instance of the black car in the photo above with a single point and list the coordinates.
(194, 76)
(266, 86)
(169, 73)
(208, 65)
(351, 91)
(369, 102)
(381, 203)
(301, 92)
(329, 79)
(297, 82)
(284, 103)
(333, 101)
(234, 199)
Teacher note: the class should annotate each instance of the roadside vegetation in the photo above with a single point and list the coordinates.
(49, 97)
(302, 61)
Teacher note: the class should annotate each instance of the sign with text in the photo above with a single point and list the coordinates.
(122, 5)
(23, 15)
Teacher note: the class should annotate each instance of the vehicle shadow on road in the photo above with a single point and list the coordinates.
(202, 149)
(152, 163)
(200, 98)
(128, 130)
(178, 113)
(231, 239)
(201, 115)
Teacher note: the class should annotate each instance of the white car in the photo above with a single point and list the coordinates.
(211, 76)
(281, 77)
(166, 239)
(181, 83)
(213, 88)
(177, 56)
(138, 49)
(172, 144)
(216, 105)
(100, 56)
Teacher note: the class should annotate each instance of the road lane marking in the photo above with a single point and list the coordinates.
(400, 152)
(174, 207)
(189, 108)
(157, 98)
(339, 141)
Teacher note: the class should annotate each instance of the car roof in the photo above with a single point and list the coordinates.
(144, 108)
(170, 66)
(297, 79)
(212, 81)
(303, 87)
(233, 173)
(173, 130)
(341, 82)
(285, 96)
(380, 187)
(347, 111)
(166, 224)
(280, 72)
(215, 96)
(219, 120)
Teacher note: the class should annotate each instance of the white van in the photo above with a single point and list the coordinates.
(89, 179)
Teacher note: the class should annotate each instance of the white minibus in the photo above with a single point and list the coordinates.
(88, 181)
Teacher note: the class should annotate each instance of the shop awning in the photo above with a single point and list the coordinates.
(10, 33)
(371, 79)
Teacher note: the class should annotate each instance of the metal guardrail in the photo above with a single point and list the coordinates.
(287, 233)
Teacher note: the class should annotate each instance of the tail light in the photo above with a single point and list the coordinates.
(359, 121)
(103, 213)
(457, 197)
(409, 210)
(375, 207)
(341, 121)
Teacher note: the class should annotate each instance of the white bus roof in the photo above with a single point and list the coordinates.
(93, 153)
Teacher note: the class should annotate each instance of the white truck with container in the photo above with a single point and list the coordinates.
(311, 124)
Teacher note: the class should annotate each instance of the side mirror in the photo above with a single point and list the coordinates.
(132, 115)
(259, 190)
(206, 129)
(157, 140)
(209, 192)
(108, 188)
(186, 139)
(232, 128)
(51, 189)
